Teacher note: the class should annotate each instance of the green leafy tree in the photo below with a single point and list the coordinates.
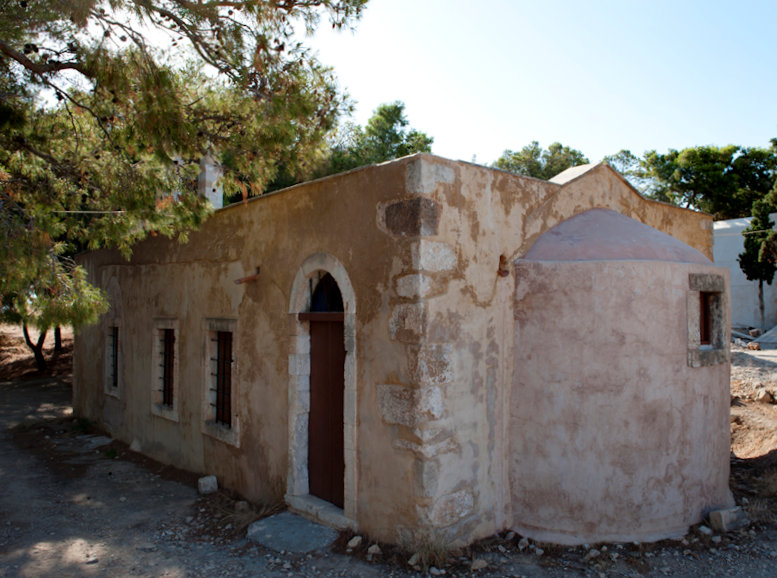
(631, 167)
(758, 261)
(106, 107)
(385, 137)
(723, 181)
(59, 296)
(534, 161)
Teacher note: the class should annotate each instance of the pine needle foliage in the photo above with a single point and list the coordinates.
(107, 106)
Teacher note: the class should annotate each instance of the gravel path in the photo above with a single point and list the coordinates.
(72, 509)
(77, 504)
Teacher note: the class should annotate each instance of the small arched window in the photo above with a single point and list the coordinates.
(326, 297)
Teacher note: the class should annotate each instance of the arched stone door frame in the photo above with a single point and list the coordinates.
(297, 487)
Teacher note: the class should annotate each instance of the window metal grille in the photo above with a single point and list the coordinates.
(167, 346)
(114, 359)
(224, 378)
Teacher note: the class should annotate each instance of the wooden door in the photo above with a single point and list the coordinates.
(326, 462)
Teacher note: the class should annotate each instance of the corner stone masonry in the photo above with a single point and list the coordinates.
(417, 407)
(413, 217)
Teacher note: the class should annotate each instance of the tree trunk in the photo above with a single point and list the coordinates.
(37, 348)
(761, 303)
(57, 339)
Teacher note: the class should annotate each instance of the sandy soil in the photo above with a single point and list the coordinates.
(76, 503)
(753, 424)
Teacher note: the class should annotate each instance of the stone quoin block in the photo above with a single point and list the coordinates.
(408, 322)
(427, 473)
(433, 256)
(428, 450)
(424, 176)
(414, 286)
(408, 406)
(413, 217)
(429, 404)
(431, 364)
(396, 404)
(451, 508)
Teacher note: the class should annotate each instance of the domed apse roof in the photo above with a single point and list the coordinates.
(604, 235)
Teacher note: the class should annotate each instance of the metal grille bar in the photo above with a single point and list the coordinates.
(168, 366)
(115, 356)
(224, 378)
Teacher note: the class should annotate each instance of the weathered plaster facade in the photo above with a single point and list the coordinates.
(615, 402)
(451, 381)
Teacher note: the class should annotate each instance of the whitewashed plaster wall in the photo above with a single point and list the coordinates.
(728, 244)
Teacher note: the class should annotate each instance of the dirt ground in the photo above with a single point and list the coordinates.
(76, 503)
(16, 360)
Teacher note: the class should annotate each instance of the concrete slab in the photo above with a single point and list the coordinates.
(291, 533)
(769, 339)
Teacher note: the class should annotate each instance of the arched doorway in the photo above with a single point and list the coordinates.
(326, 461)
(320, 274)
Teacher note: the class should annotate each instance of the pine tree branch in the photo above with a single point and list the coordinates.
(41, 68)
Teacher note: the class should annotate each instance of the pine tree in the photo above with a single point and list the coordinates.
(758, 261)
(385, 137)
(106, 107)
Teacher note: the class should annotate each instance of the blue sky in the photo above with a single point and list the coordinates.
(488, 75)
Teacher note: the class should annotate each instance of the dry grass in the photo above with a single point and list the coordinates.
(433, 550)
(551, 548)
(241, 514)
(759, 511)
(250, 513)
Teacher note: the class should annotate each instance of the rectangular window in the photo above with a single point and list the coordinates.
(706, 308)
(223, 378)
(705, 317)
(220, 415)
(112, 380)
(167, 353)
(164, 368)
(113, 357)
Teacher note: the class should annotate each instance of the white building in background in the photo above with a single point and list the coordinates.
(728, 244)
(209, 181)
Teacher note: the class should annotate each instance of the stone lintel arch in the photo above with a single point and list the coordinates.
(297, 487)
